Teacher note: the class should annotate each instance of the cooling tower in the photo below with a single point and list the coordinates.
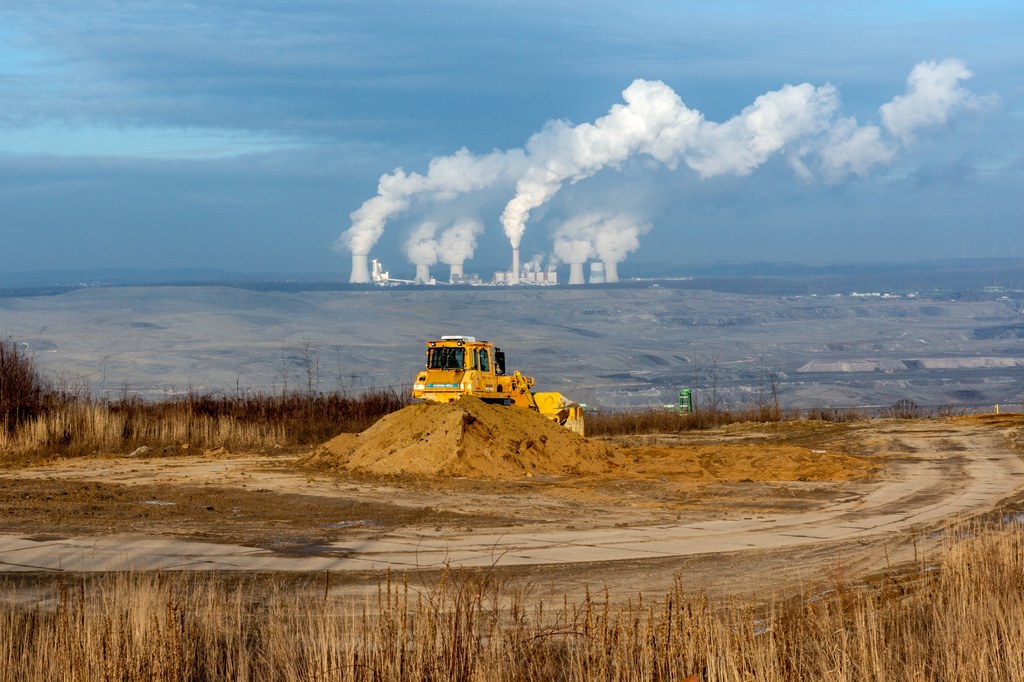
(576, 274)
(456, 271)
(597, 273)
(360, 271)
(611, 272)
(515, 267)
(422, 274)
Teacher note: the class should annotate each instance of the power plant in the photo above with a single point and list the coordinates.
(532, 273)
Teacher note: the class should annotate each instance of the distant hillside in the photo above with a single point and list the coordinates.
(972, 277)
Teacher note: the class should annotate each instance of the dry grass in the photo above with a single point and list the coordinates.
(82, 426)
(960, 617)
(670, 421)
(38, 418)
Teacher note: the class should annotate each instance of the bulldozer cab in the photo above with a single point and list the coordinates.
(446, 358)
(465, 353)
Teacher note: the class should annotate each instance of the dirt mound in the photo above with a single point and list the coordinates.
(477, 440)
(466, 438)
(728, 462)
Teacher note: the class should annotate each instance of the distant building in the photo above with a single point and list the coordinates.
(535, 277)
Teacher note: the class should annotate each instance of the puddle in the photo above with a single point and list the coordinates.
(159, 503)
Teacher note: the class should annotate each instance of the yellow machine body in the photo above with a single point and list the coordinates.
(461, 365)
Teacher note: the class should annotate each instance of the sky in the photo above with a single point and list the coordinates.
(282, 137)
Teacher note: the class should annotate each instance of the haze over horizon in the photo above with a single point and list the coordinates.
(242, 136)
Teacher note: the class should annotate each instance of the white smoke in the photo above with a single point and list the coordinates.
(446, 177)
(933, 93)
(653, 121)
(608, 237)
(572, 250)
(772, 122)
(421, 246)
(454, 246)
(852, 149)
(572, 239)
(535, 264)
(458, 242)
(618, 236)
(797, 119)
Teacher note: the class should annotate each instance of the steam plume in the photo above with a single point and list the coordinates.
(653, 120)
(797, 121)
(933, 92)
(452, 247)
(609, 237)
(421, 247)
(446, 177)
(800, 119)
(458, 243)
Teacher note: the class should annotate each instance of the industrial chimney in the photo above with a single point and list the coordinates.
(597, 273)
(360, 271)
(576, 274)
(456, 273)
(611, 272)
(422, 274)
(515, 267)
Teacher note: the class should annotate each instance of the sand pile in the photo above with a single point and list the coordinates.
(730, 462)
(466, 438)
(473, 439)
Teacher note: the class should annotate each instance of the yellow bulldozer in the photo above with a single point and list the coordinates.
(461, 365)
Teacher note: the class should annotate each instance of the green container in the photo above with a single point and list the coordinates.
(685, 400)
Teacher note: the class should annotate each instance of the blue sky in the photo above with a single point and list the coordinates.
(242, 135)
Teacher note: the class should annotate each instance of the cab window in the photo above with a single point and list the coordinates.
(446, 358)
(485, 363)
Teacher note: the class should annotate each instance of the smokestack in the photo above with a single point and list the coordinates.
(360, 271)
(422, 274)
(597, 273)
(456, 271)
(611, 272)
(576, 274)
(515, 266)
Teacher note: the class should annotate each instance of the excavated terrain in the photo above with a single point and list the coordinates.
(749, 508)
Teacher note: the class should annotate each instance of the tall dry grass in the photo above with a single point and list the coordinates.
(957, 616)
(40, 417)
(85, 426)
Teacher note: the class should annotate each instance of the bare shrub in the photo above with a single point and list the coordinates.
(833, 414)
(904, 409)
(23, 390)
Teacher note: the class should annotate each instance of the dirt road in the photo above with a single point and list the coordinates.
(252, 514)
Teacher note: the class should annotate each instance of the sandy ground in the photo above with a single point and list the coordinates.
(632, 531)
